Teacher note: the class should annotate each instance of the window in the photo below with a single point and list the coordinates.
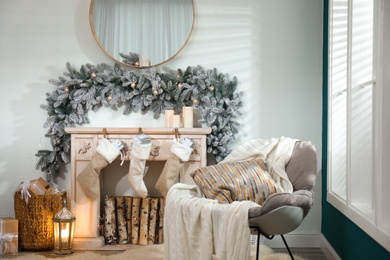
(355, 171)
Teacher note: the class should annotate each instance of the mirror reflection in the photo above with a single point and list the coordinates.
(141, 33)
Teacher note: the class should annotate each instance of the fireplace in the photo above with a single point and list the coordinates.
(84, 141)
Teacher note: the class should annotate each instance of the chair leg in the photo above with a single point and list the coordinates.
(258, 242)
(288, 248)
(258, 245)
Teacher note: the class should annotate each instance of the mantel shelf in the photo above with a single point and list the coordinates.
(135, 130)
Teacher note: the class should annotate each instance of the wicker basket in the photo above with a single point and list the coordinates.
(36, 220)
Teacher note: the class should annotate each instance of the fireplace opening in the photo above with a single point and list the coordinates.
(115, 179)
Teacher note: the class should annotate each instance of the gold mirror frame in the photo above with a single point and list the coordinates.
(91, 23)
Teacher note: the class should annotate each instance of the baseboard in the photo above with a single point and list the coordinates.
(328, 250)
(295, 240)
(304, 241)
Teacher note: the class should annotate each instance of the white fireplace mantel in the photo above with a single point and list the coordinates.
(84, 141)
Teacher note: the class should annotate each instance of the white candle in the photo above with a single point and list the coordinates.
(168, 118)
(188, 117)
(176, 121)
(64, 237)
(197, 117)
(144, 61)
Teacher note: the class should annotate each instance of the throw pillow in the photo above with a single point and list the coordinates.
(236, 181)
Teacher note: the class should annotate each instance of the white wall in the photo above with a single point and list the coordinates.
(273, 47)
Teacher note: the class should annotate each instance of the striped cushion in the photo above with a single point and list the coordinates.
(236, 181)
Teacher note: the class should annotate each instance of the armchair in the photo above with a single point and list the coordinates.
(276, 175)
(282, 213)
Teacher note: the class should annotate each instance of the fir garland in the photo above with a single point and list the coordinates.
(92, 87)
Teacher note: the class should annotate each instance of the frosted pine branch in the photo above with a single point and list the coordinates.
(92, 87)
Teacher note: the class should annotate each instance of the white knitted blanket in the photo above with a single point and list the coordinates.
(276, 152)
(196, 227)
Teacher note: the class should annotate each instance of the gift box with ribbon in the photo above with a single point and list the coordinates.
(8, 236)
(36, 187)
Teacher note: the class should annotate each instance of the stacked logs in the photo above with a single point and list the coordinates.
(133, 220)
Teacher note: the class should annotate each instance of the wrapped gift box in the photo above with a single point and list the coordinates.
(8, 236)
(39, 186)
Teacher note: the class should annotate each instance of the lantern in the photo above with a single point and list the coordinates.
(64, 224)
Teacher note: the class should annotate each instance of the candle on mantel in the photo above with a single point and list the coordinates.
(188, 117)
(176, 121)
(168, 118)
(197, 117)
(144, 61)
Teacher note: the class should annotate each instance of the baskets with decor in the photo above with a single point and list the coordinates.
(35, 214)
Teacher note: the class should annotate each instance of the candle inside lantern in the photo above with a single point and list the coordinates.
(64, 237)
(176, 121)
(168, 118)
(188, 117)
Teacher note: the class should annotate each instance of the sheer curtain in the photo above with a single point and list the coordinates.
(151, 28)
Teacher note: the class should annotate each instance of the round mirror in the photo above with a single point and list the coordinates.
(142, 33)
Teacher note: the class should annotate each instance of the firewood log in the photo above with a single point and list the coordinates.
(144, 225)
(128, 202)
(121, 220)
(161, 220)
(152, 220)
(110, 233)
(135, 220)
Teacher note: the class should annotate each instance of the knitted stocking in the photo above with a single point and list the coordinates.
(139, 154)
(106, 152)
(180, 153)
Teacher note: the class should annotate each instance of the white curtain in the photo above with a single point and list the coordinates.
(151, 28)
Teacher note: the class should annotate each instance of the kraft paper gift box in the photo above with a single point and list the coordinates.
(8, 236)
(37, 187)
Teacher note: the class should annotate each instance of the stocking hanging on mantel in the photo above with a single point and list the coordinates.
(106, 153)
(180, 152)
(139, 154)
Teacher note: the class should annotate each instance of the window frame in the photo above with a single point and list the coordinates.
(374, 225)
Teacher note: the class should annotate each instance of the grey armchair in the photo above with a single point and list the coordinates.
(281, 213)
